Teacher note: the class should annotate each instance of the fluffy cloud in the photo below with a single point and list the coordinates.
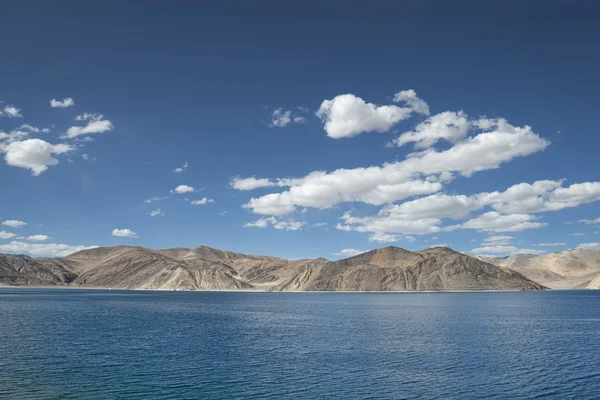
(13, 223)
(11, 112)
(348, 252)
(589, 246)
(124, 233)
(493, 221)
(202, 201)
(38, 238)
(420, 173)
(250, 183)
(512, 211)
(67, 102)
(277, 224)
(182, 168)
(33, 154)
(449, 125)
(182, 189)
(157, 212)
(551, 244)
(95, 124)
(6, 235)
(37, 249)
(347, 115)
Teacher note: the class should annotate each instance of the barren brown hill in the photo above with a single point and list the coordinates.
(395, 269)
(206, 268)
(561, 270)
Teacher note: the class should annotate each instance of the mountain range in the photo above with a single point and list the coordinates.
(386, 269)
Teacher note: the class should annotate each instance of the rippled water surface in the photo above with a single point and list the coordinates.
(78, 344)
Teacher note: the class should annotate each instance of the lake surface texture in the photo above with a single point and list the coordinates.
(93, 344)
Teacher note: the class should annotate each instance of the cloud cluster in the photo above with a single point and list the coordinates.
(38, 249)
(282, 118)
(423, 172)
(347, 115)
(501, 246)
(277, 224)
(95, 123)
(10, 112)
(202, 201)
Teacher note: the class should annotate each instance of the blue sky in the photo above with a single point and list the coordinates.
(307, 130)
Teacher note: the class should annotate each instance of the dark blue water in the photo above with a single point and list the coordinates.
(76, 344)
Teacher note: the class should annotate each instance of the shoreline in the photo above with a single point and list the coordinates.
(67, 287)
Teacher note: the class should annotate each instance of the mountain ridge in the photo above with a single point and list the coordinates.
(205, 268)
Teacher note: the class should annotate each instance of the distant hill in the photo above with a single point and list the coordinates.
(561, 270)
(206, 268)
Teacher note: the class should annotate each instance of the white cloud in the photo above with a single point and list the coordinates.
(497, 240)
(589, 246)
(6, 235)
(551, 244)
(504, 250)
(493, 221)
(348, 252)
(420, 173)
(259, 223)
(412, 101)
(38, 238)
(277, 224)
(33, 154)
(156, 212)
(250, 183)
(281, 118)
(156, 198)
(577, 234)
(33, 129)
(13, 223)
(347, 115)
(183, 189)
(13, 136)
(37, 249)
(319, 224)
(451, 126)
(124, 233)
(66, 102)
(95, 124)
(384, 237)
(202, 201)
(182, 168)
(11, 112)
(590, 221)
(438, 245)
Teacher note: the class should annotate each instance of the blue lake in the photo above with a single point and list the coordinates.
(93, 344)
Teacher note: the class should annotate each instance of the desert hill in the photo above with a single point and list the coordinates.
(206, 268)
